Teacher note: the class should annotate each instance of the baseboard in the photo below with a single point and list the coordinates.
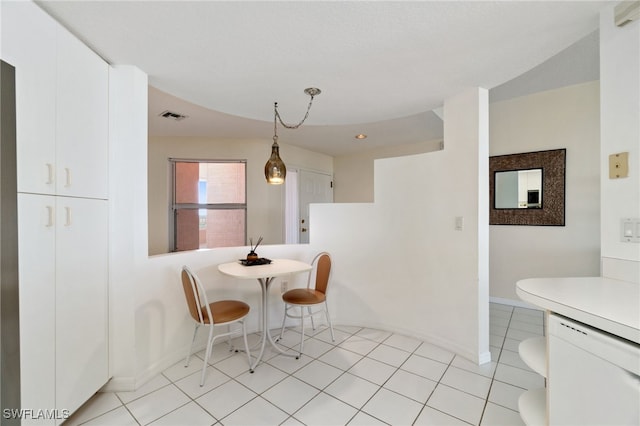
(511, 302)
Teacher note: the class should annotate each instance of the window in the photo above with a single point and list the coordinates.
(209, 205)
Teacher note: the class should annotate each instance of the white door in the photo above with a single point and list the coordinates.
(81, 300)
(29, 44)
(36, 234)
(313, 188)
(82, 111)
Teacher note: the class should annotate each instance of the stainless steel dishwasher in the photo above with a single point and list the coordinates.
(594, 377)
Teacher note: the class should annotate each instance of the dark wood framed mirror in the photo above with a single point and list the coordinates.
(527, 188)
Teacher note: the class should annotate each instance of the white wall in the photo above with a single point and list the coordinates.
(562, 118)
(149, 325)
(620, 132)
(353, 174)
(265, 203)
(398, 263)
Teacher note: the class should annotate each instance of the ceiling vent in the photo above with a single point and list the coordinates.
(173, 115)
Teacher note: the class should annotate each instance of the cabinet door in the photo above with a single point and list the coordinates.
(29, 44)
(81, 300)
(82, 120)
(36, 234)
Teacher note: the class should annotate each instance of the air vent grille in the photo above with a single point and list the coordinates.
(172, 115)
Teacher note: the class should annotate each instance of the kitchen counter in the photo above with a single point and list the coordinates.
(607, 304)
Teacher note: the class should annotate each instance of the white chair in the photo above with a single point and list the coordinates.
(223, 312)
(306, 298)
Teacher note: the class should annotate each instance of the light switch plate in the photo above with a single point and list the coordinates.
(619, 165)
(630, 230)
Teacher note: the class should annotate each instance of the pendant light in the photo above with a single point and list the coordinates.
(274, 170)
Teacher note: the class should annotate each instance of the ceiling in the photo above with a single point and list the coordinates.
(382, 66)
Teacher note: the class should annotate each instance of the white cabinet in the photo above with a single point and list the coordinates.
(36, 251)
(62, 110)
(63, 299)
(62, 106)
(82, 111)
(29, 44)
(82, 365)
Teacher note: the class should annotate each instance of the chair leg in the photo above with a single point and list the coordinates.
(229, 339)
(186, 361)
(301, 331)
(284, 317)
(208, 354)
(313, 326)
(326, 313)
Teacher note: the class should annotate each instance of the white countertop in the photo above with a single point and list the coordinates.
(603, 303)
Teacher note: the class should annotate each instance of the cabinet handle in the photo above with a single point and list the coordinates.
(67, 173)
(67, 216)
(49, 217)
(49, 174)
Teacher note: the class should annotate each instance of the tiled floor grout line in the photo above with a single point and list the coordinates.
(493, 376)
(523, 328)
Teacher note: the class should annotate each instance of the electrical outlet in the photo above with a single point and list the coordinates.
(284, 286)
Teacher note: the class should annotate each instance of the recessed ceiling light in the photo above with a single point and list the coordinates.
(361, 136)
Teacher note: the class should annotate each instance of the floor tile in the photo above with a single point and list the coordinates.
(389, 355)
(225, 399)
(152, 385)
(314, 348)
(513, 359)
(392, 408)
(457, 404)
(258, 411)
(290, 394)
(411, 385)
(340, 358)
(352, 389)
(97, 405)
(325, 410)
(430, 417)
(367, 377)
(325, 335)
(234, 365)
(261, 379)
(518, 377)
(495, 415)
(190, 414)
(191, 384)
(488, 369)
(505, 394)
(372, 370)
(463, 380)
(318, 374)
(424, 367)
(363, 419)
(158, 403)
(428, 350)
(406, 343)
(289, 364)
(359, 345)
(375, 335)
(120, 416)
(178, 371)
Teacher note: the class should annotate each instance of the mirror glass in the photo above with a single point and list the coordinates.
(518, 189)
(527, 188)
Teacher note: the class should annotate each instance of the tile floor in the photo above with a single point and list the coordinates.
(366, 377)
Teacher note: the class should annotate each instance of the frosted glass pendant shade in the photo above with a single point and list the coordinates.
(275, 170)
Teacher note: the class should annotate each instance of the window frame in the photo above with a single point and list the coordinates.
(174, 206)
